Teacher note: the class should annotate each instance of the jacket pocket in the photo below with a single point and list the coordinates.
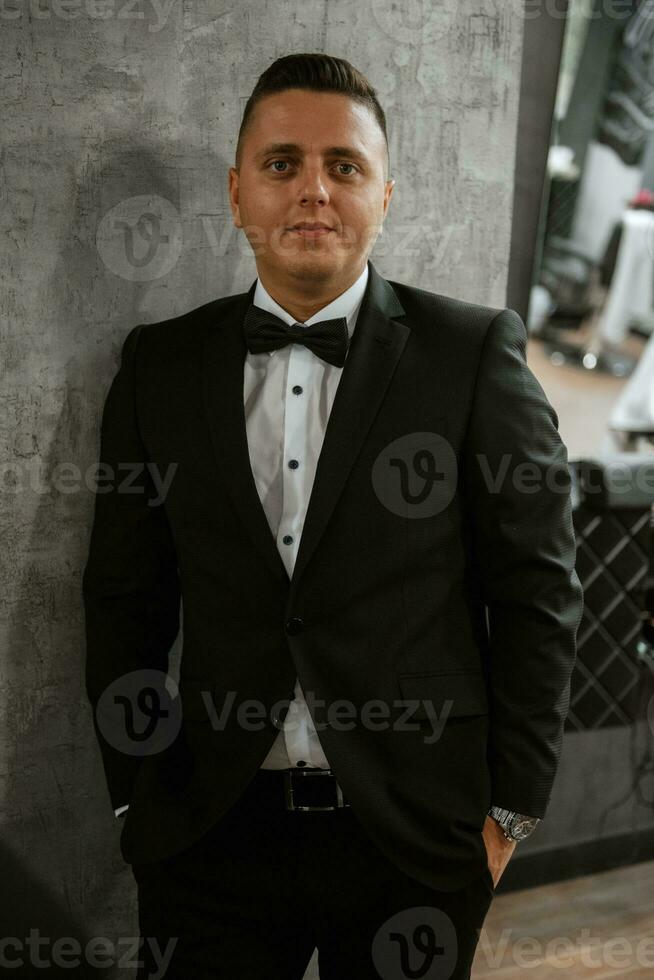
(457, 692)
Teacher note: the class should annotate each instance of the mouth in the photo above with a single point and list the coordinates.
(309, 230)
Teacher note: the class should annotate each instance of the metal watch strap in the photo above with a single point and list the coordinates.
(514, 826)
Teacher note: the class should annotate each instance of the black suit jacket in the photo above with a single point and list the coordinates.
(465, 600)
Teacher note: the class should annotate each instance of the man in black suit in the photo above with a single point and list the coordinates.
(368, 524)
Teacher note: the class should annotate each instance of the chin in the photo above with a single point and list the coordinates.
(310, 266)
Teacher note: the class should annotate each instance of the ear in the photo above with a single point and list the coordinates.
(233, 197)
(388, 191)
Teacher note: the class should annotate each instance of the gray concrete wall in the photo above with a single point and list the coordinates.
(110, 111)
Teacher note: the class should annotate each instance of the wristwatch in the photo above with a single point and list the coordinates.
(515, 826)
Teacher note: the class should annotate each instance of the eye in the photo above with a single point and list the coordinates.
(346, 165)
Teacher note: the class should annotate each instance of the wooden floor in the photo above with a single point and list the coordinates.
(597, 926)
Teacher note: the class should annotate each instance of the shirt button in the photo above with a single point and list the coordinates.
(293, 464)
(297, 389)
(294, 625)
(288, 539)
(300, 762)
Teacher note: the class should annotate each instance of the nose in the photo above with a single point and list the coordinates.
(313, 190)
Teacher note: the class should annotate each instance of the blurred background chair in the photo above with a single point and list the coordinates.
(603, 299)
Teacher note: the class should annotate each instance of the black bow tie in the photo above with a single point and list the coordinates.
(327, 339)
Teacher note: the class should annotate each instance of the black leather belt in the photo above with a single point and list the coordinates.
(307, 789)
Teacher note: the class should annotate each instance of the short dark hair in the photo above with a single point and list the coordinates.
(318, 73)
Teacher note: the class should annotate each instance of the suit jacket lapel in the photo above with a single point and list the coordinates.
(223, 359)
(377, 343)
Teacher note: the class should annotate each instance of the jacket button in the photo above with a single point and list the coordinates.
(294, 625)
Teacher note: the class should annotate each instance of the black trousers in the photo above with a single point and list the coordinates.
(254, 897)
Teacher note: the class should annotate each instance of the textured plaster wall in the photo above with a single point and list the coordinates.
(110, 112)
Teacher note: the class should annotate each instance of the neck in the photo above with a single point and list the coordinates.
(303, 298)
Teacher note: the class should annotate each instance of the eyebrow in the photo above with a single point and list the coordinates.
(330, 151)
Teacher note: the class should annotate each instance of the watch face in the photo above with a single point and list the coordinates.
(521, 827)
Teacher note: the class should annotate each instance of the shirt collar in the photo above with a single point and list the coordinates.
(347, 305)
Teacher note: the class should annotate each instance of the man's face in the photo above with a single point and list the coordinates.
(314, 157)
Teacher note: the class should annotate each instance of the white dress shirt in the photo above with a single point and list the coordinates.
(288, 395)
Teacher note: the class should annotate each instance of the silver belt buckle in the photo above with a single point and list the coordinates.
(289, 775)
